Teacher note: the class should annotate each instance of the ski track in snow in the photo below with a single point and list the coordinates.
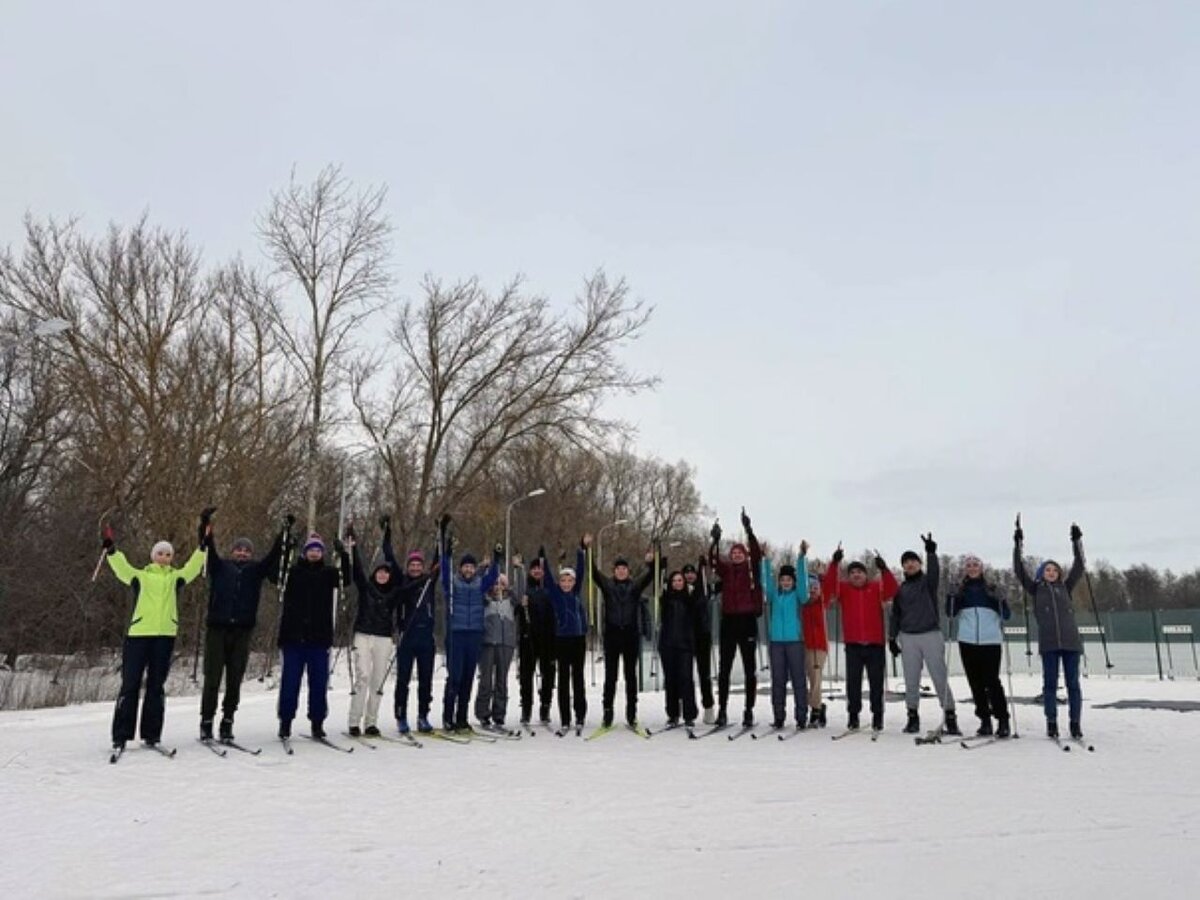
(567, 818)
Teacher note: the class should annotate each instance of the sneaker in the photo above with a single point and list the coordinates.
(371, 731)
(951, 723)
(608, 717)
(285, 728)
(402, 725)
(914, 723)
(1076, 730)
(318, 730)
(1002, 729)
(423, 725)
(226, 729)
(748, 719)
(1051, 728)
(985, 728)
(722, 719)
(709, 716)
(354, 731)
(206, 733)
(852, 722)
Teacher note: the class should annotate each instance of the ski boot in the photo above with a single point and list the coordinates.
(371, 731)
(877, 721)
(206, 733)
(951, 724)
(1002, 729)
(285, 728)
(814, 718)
(423, 725)
(544, 715)
(402, 725)
(823, 721)
(779, 722)
(318, 730)
(485, 723)
(226, 729)
(673, 722)
(985, 728)
(353, 731)
(709, 716)
(722, 719)
(608, 718)
(852, 722)
(1052, 728)
(748, 719)
(689, 724)
(914, 723)
(631, 718)
(1076, 731)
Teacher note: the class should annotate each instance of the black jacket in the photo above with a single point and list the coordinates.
(234, 588)
(376, 612)
(308, 603)
(677, 630)
(624, 607)
(535, 619)
(915, 609)
(415, 607)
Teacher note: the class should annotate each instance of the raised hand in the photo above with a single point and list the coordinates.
(586, 540)
(804, 548)
(838, 554)
(385, 523)
(746, 521)
(1076, 534)
(107, 538)
(930, 543)
(715, 532)
(1019, 533)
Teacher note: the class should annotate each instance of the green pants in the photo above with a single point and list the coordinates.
(226, 651)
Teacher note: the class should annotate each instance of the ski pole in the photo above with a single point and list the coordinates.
(387, 671)
(1096, 611)
(1012, 706)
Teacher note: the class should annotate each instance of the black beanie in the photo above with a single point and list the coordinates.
(790, 571)
(907, 555)
(856, 565)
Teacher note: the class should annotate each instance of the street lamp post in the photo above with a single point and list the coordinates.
(536, 492)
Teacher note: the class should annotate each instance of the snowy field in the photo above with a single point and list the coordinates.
(555, 817)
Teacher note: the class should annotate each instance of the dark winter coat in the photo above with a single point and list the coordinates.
(376, 613)
(741, 593)
(535, 620)
(570, 613)
(234, 588)
(1057, 629)
(464, 599)
(415, 608)
(915, 609)
(624, 607)
(308, 603)
(677, 628)
(702, 620)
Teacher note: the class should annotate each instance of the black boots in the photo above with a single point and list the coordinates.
(985, 728)
(748, 719)
(914, 723)
(877, 721)
(285, 728)
(1002, 729)
(852, 722)
(1076, 730)
(951, 723)
(206, 730)
(318, 730)
(722, 718)
(1051, 728)
(226, 730)
(608, 717)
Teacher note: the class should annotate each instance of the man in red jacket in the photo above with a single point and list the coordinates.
(741, 607)
(862, 628)
(816, 648)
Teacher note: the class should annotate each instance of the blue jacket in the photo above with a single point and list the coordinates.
(980, 612)
(570, 614)
(465, 599)
(785, 623)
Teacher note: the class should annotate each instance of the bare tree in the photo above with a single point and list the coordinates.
(479, 373)
(329, 245)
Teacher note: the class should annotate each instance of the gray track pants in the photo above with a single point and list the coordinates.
(491, 701)
(929, 650)
(787, 664)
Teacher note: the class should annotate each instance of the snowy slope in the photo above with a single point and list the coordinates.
(565, 818)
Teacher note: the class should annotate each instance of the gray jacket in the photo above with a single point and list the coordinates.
(1052, 606)
(915, 609)
(500, 620)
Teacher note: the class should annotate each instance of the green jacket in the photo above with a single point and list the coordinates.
(156, 613)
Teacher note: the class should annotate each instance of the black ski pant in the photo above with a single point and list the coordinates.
(739, 634)
(870, 657)
(704, 669)
(622, 647)
(415, 647)
(981, 662)
(148, 658)
(571, 652)
(535, 660)
(681, 691)
(226, 652)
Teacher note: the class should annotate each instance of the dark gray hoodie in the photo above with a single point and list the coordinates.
(915, 609)
(1052, 606)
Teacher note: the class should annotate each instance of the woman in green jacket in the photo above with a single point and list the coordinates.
(151, 636)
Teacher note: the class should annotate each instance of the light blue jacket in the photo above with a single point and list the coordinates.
(784, 622)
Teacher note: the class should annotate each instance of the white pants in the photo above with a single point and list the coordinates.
(372, 654)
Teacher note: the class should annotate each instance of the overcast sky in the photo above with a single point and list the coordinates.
(915, 266)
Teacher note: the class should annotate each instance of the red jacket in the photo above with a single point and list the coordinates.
(862, 608)
(813, 616)
(741, 594)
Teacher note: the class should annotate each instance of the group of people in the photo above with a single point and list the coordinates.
(541, 618)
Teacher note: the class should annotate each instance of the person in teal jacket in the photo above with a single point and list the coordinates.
(785, 630)
(150, 639)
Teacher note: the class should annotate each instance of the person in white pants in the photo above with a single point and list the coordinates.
(374, 636)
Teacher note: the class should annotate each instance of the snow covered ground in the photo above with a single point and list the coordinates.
(566, 818)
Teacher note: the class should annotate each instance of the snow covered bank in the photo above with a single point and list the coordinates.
(564, 818)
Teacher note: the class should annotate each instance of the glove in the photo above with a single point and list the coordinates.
(1018, 534)
(207, 513)
(880, 564)
(930, 543)
(107, 543)
(444, 522)
(338, 546)
(350, 534)
(385, 523)
(894, 647)
(715, 533)
(204, 530)
(1076, 534)
(746, 521)
(838, 556)
(498, 549)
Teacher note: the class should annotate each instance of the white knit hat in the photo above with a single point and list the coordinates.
(566, 571)
(162, 547)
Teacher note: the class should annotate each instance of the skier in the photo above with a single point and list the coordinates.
(374, 627)
(571, 627)
(916, 636)
(741, 607)
(235, 586)
(465, 590)
(862, 603)
(816, 648)
(415, 644)
(150, 638)
(1058, 635)
(625, 620)
(785, 600)
(676, 646)
(535, 620)
(495, 659)
(306, 633)
(703, 642)
(981, 612)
